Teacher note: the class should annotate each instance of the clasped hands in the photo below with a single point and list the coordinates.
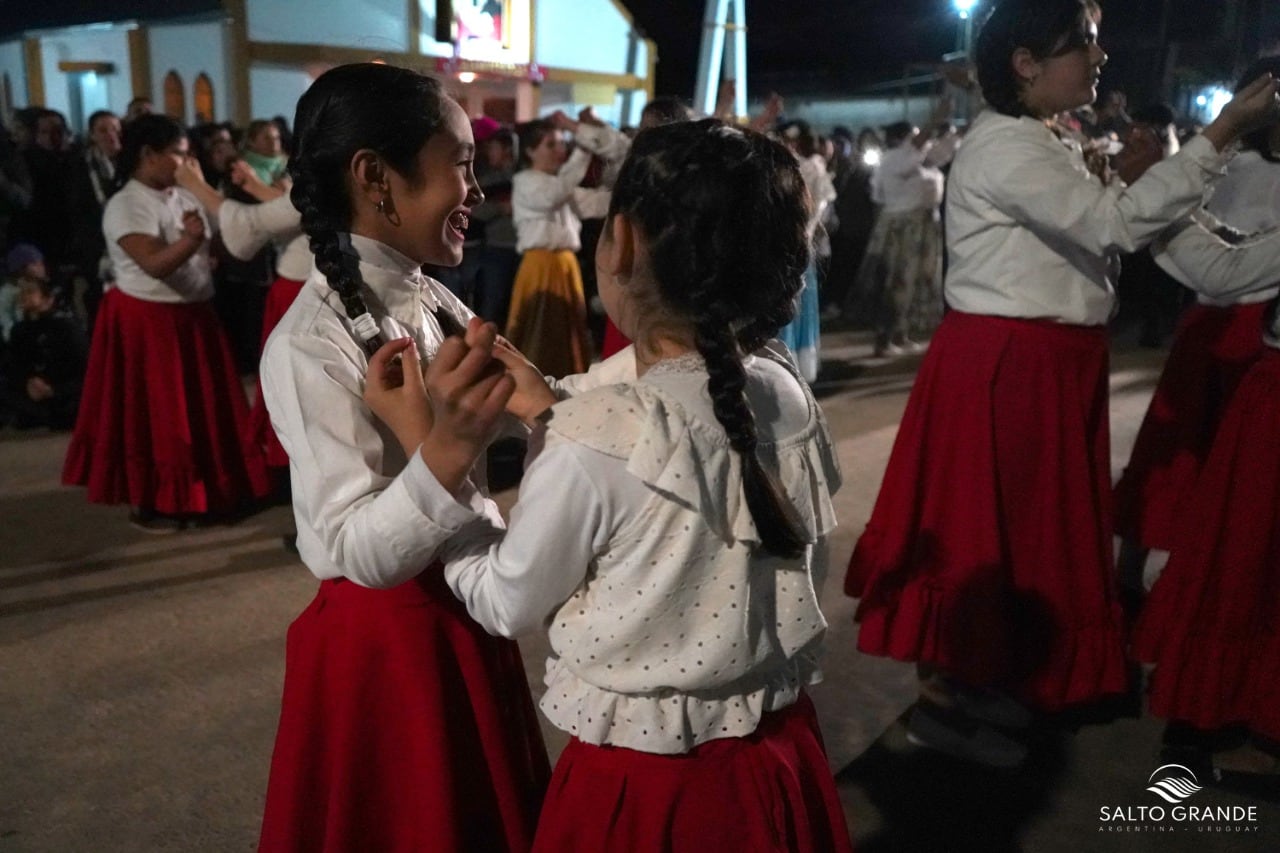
(452, 408)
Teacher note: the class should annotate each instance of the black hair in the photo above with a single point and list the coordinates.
(1259, 140)
(93, 118)
(1156, 114)
(666, 109)
(530, 135)
(153, 131)
(897, 133)
(1046, 28)
(386, 109)
(724, 211)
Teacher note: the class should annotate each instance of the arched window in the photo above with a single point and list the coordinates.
(175, 97)
(203, 98)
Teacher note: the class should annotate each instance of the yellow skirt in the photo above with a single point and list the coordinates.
(548, 319)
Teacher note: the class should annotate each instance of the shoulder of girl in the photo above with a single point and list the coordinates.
(610, 418)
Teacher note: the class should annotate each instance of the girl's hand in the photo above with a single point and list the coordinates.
(468, 391)
(532, 396)
(243, 175)
(398, 396)
(193, 225)
(1256, 105)
(1142, 150)
(189, 174)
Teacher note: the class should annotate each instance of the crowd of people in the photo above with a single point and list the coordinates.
(410, 284)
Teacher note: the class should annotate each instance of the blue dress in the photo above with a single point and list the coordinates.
(801, 334)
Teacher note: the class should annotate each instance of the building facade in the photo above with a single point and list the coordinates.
(245, 59)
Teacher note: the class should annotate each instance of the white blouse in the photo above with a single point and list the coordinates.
(1031, 233)
(633, 540)
(138, 209)
(364, 511)
(548, 209)
(246, 228)
(909, 179)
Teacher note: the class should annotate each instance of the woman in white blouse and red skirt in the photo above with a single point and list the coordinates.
(988, 556)
(1211, 625)
(162, 422)
(1216, 344)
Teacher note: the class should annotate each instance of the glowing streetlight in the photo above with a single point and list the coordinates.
(964, 8)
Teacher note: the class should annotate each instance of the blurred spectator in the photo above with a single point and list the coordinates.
(855, 215)
(44, 221)
(286, 135)
(47, 357)
(15, 182)
(664, 109)
(263, 151)
(139, 106)
(24, 262)
(92, 181)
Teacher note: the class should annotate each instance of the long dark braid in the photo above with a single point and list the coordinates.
(386, 109)
(724, 212)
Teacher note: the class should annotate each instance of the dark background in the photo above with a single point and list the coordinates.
(823, 47)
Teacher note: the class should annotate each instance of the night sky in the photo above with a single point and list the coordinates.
(839, 45)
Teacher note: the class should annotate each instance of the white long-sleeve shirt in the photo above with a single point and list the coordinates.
(364, 511)
(632, 540)
(548, 209)
(910, 178)
(1031, 233)
(247, 228)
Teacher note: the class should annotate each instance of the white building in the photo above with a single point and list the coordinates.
(245, 59)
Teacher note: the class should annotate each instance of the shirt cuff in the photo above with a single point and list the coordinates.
(1201, 152)
(434, 500)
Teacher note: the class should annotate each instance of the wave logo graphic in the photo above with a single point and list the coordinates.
(1175, 786)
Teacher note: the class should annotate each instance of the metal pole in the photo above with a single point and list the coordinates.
(740, 59)
(710, 56)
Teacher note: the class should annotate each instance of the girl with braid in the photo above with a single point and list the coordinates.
(671, 530)
(404, 726)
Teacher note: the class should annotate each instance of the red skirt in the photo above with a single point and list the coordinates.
(1212, 622)
(163, 415)
(988, 554)
(769, 791)
(281, 295)
(404, 727)
(614, 341)
(1211, 352)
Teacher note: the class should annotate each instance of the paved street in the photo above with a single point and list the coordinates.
(140, 675)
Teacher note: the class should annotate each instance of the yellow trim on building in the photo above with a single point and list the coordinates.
(31, 55)
(140, 62)
(240, 51)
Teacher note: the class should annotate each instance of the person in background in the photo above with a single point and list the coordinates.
(92, 180)
(23, 262)
(139, 106)
(47, 357)
(264, 152)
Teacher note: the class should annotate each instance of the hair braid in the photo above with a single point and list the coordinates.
(340, 268)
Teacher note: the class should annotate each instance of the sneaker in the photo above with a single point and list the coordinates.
(990, 706)
(153, 522)
(951, 731)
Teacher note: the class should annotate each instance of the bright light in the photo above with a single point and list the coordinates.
(1202, 100)
(871, 157)
(1218, 98)
(467, 77)
(965, 7)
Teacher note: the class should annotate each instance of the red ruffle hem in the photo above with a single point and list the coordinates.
(988, 554)
(403, 727)
(771, 790)
(1212, 622)
(1211, 352)
(163, 413)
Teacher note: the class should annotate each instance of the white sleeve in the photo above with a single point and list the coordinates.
(619, 367)
(604, 141)
(542, 193)
(125, 216)
(379, 530)
(1049, 197)
(511, 583)
(591, 202)
(247, 228)
(1207, 264)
